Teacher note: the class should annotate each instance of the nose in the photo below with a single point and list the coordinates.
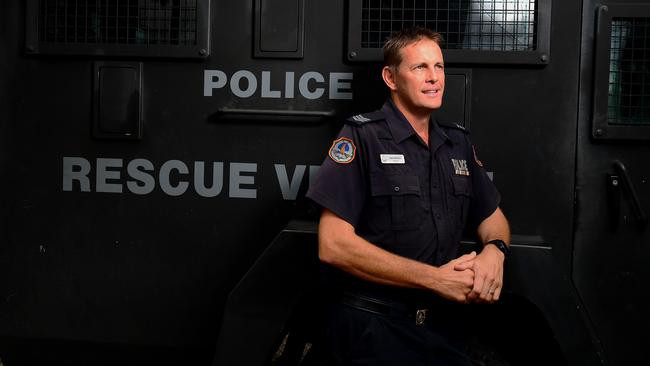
(433, 76)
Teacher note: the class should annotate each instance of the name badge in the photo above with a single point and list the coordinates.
(392, 159)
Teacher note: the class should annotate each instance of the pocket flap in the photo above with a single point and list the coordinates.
(391, 185)
(462, 186)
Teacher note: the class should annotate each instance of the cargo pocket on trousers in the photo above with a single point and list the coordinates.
(403, 194)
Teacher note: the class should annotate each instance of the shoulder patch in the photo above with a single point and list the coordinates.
(361, 119)
(343, 150)
(453, 125)
(480, 163)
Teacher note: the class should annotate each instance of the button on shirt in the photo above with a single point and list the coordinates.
(399, 193)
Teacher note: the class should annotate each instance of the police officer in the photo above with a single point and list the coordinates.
(396, 191)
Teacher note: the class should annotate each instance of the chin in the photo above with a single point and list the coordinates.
(433, 103)
(432, 106)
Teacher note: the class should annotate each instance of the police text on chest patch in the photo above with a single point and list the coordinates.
(392, 159)
(460, 167)
(342, 150)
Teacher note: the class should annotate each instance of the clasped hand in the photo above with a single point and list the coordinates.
(474, 277)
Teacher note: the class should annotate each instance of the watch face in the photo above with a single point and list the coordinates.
(501, 245)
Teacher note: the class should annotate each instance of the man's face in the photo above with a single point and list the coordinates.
(418, 82)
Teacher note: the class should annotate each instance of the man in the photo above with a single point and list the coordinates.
(396, 191)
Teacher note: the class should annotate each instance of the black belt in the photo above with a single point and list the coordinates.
(380, 307)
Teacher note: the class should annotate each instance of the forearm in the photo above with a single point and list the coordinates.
(494, 227)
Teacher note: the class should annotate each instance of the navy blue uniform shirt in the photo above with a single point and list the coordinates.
(400, 194)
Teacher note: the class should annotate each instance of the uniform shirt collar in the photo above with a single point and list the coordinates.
(401, 129)
(438, 136)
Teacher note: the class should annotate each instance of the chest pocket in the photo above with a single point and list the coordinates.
(397, 200)
(462, 193)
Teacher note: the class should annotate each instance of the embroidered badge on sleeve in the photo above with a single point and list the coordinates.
(342, 150)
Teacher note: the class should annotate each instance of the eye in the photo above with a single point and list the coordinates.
(440, 67)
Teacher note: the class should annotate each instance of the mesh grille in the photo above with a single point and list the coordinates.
(146, 22)
(629, 72)
(500, 25)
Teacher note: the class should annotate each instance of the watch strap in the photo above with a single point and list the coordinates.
(501, 245)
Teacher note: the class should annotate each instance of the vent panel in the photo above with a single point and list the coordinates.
(501, 25)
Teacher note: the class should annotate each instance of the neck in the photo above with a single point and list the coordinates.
(417, 118)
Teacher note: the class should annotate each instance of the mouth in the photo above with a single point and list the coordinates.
(431, 92)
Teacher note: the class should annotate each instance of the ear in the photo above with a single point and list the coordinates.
(387, 73)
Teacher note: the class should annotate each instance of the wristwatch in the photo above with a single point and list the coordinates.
(503, 247)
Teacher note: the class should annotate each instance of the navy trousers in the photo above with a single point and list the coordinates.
(361, 338)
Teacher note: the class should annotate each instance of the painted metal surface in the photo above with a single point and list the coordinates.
(611, 238)
(134, 245)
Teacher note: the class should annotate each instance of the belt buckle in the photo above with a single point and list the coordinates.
(420, 316)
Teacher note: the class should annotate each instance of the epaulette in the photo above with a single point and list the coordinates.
(364, 118)
(453, 125)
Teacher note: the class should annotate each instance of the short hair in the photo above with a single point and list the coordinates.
(402, 38)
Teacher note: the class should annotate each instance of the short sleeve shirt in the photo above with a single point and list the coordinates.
(401, 194)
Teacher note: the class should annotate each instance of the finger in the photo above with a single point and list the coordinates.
(466, 257)
(489, 297)
(468, 293)
(477, 290)
(487, 292)
(497, 294)
(464, 265)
